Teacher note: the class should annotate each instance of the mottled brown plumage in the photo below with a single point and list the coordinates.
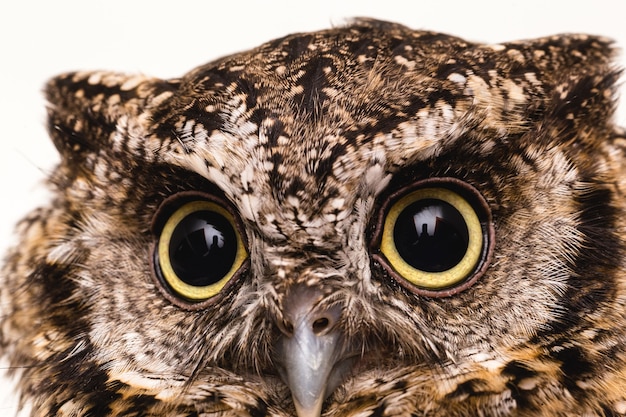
(290, 159)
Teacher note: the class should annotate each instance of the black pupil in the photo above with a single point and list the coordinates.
(203, 248)
(431, 235)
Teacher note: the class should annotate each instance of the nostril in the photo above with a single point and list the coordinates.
(303, 310)
(321, 324)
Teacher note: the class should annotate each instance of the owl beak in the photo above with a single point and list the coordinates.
(310, 353)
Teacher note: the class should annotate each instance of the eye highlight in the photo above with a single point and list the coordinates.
(199, 250)
(435, 237)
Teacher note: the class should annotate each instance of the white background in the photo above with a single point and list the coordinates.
(41, 39)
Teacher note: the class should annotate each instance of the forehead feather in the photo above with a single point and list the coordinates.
(349, 85)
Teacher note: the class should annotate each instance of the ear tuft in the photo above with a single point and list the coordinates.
(86, 108)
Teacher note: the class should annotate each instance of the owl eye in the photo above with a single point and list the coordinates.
(436, 237)
(199, 250)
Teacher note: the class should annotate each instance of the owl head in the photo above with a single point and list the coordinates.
(362, 221)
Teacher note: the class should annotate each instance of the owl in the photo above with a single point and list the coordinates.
(362, 221)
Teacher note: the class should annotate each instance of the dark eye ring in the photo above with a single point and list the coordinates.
(435, 237)
(199, 247)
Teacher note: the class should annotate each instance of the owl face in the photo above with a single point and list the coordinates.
(363, 221)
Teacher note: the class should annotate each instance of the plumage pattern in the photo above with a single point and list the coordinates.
(306, 141)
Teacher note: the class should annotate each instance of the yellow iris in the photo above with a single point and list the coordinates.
(433, 279)
(178, 227)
